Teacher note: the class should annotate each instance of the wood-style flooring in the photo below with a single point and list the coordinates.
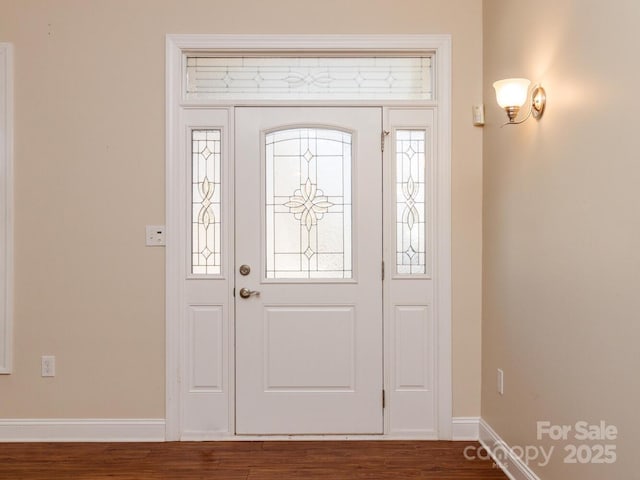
(308, 460)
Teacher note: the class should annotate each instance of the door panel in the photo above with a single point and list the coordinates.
(317, 330)
(308, 224)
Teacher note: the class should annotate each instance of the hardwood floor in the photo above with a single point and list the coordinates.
(379, 460)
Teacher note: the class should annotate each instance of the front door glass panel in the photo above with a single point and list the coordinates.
(308, 206)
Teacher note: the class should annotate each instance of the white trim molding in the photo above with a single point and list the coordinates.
(6, 207)
(82, 430)
(502, 454)
(176, 104)
(465, 428)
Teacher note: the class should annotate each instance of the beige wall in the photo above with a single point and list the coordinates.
(90, 174)
(561, 290)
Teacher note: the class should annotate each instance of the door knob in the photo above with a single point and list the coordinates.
(245, 270)
(246, 293)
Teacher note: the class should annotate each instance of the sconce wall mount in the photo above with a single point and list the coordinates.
(538, 101)
(513, 93)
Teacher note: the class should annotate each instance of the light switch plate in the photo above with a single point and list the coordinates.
(478, 115)
(155, 236)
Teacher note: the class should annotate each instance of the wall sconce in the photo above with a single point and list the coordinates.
(513, 93)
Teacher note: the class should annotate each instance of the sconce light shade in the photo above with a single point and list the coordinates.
(512, 92)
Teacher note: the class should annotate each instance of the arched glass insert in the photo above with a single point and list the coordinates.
(308, 203)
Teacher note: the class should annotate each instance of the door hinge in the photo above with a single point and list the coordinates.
(383, 270)
(383, 399)
(383, 136)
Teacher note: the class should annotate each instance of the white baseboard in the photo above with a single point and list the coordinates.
(465, 428)
(503, 455)
(153, 430)
(82, 430)
(230, 437)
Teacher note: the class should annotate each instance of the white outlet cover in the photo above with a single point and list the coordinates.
(48, 366)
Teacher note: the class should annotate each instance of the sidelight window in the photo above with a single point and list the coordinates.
(410, 202)
(205, 202)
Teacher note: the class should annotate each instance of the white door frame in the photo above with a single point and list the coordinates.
(176, 46)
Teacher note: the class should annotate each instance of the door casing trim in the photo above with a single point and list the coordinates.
(440, 45)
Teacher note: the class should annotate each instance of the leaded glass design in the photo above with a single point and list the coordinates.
(308, 203)
(410, 202)
(309, 78)
(205, 202)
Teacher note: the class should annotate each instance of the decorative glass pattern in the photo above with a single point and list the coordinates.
(309, 78)
(308, 203)
(410, 202)
(205, 202)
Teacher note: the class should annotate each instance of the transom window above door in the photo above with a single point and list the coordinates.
(309, 78)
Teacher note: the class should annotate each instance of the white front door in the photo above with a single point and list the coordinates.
(309, 310)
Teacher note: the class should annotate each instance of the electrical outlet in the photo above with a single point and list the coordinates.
(155, 236)
(500, 382)
(48, 365)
